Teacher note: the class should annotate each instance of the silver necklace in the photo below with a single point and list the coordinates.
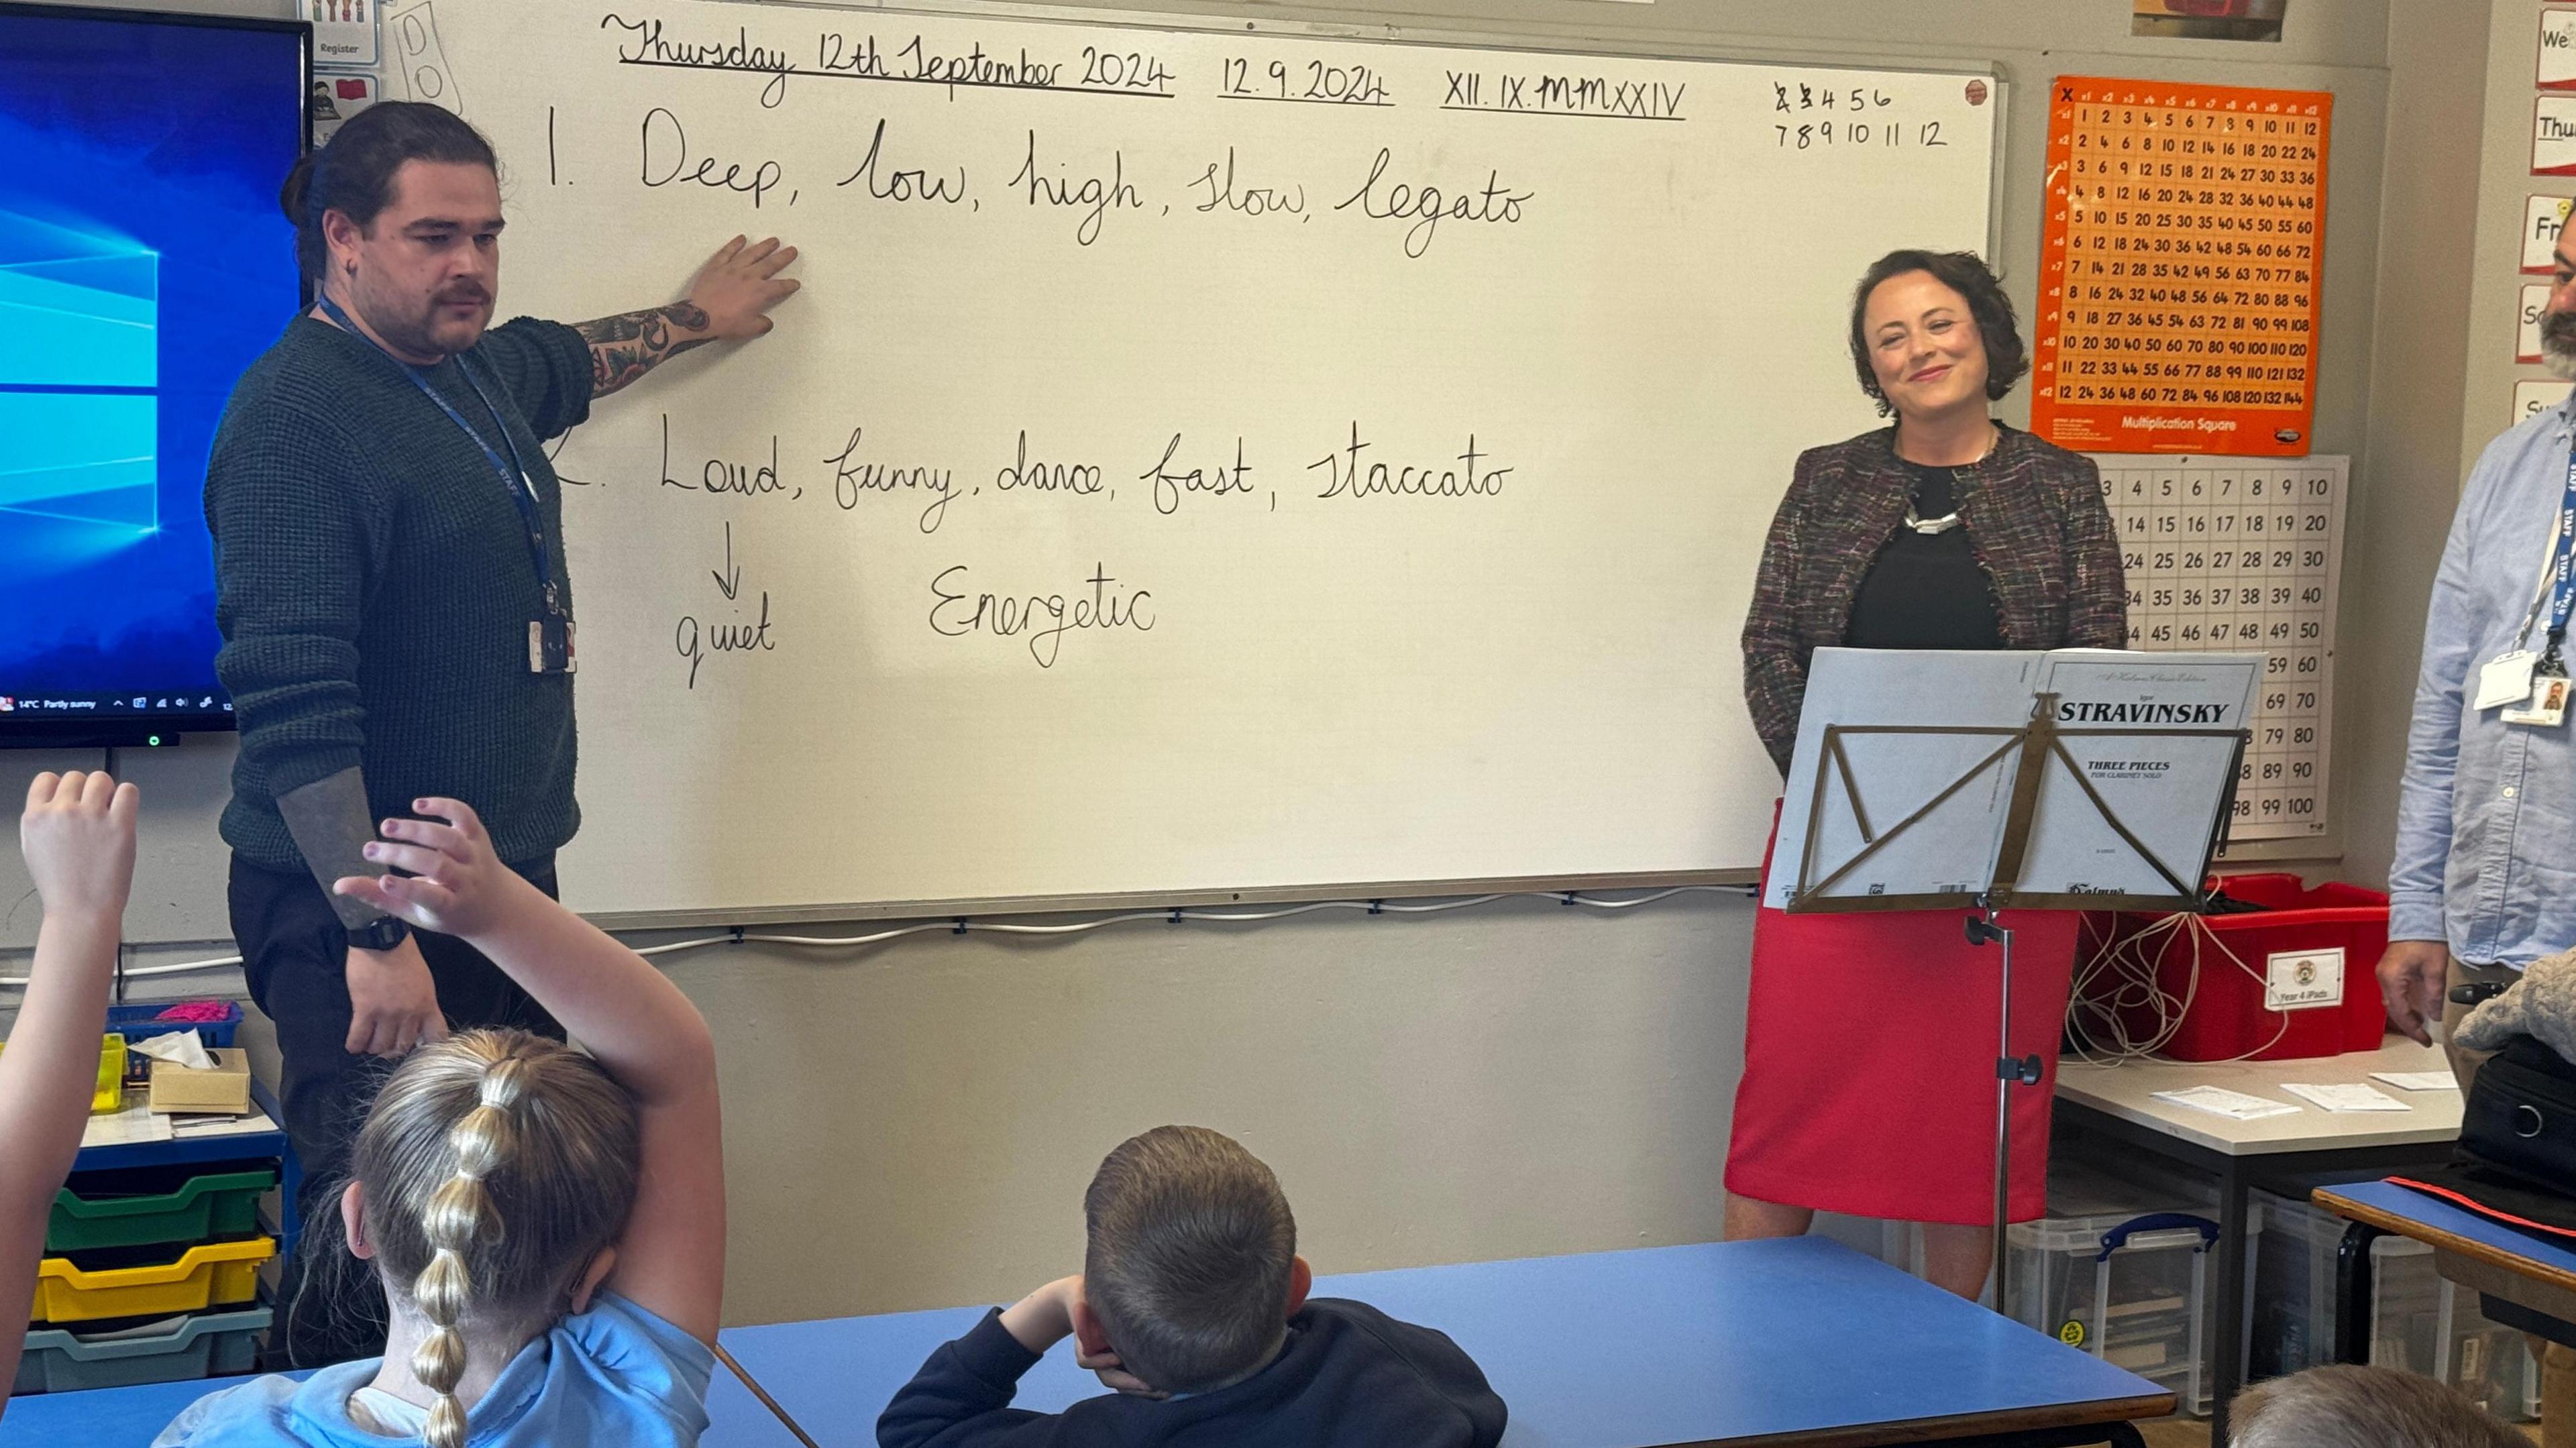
(1935, 527)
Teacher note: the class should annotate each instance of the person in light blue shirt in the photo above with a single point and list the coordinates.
(2484, 878)
(615, 1373)
(547, 1226)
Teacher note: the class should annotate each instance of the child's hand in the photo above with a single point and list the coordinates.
(78, 837)
(456, 886)
(1092, 1349)
(1113, 1374)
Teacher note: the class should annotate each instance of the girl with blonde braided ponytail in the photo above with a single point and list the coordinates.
(547, 1224)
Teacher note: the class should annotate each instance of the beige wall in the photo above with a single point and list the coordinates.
(913, 1125)
(2432, 403)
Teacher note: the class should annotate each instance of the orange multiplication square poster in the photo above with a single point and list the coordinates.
(2180, 268)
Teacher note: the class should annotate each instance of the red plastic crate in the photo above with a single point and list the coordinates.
(2226, 1018)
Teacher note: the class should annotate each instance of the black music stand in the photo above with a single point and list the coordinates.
(2024, 755)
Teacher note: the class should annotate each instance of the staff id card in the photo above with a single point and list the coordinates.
(550, 646)
(2546, 706)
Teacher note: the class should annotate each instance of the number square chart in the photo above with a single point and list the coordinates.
(2244, 555)
(2182, 256)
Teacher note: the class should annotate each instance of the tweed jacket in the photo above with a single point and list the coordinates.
(2034, 513)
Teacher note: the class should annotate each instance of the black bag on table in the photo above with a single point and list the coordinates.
(2516, 1159)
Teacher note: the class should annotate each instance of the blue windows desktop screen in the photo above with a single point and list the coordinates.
(144, 264)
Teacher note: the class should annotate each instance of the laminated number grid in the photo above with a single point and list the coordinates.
(2243, 555)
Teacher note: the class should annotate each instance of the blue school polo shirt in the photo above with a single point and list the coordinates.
(614, 1374)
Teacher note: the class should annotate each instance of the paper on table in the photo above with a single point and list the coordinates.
(220, 1125)
(2223, 1102)
(2354, 1097)
(123, 1128)
(182, 1047)
(2418, 1080)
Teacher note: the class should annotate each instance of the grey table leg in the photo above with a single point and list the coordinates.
(2353, 1287)
(2227, 1356)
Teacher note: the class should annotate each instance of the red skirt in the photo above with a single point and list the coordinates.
(1869, 1063)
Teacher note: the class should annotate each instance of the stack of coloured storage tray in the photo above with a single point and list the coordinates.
(149, 1276)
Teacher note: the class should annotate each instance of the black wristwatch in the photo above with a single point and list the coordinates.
(382, 933)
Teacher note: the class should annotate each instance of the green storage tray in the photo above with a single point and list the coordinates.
(221, 1205)
(205, 1345)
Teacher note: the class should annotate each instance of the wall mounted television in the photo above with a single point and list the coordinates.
(143, 265)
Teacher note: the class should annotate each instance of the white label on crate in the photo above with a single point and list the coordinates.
(2303, 980)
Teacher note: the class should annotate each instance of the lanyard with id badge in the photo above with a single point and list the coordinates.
(2532, 688)
(550, 637)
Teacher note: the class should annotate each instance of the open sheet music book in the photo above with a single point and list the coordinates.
(1902, 790)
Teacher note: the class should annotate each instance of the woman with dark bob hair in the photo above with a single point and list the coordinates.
(1869, 1039)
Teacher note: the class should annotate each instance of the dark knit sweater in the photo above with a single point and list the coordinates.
(1350, 1377)
(374, 584)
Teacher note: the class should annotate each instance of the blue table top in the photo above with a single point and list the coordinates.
(1610, 1350)
(1606, 1350)
(2440, 1216)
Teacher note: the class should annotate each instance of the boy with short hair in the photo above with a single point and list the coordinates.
(1193, 1305)
(2349, 1406)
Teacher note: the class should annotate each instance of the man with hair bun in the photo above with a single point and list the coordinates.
(396, 609)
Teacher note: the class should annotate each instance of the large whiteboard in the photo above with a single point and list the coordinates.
(1097, 315)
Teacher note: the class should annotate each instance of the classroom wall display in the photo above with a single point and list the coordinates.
(2556, 67)
(2227, 553)
(344, 32)
(2542, 219)
(2180, 267)
(2532, 306)
(2208, 19)
(2533, 396)
(2553, 135)
(1198, 460)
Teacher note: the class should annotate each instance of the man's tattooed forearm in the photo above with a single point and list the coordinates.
(625, 347)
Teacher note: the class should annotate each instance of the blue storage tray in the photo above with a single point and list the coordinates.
(137, 1021)
(202, 1345)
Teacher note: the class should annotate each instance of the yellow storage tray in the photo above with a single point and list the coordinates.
(204, 1276)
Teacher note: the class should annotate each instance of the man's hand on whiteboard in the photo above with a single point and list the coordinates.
(739, 284)
(728, 302)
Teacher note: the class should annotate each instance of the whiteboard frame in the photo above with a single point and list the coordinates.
(1575, 42)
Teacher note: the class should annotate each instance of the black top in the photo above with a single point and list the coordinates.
(1926, 591)
(1349, 1377)
(374, 584)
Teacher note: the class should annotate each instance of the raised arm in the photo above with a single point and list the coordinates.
(630, 1018)
(78, 836)
(728, 302)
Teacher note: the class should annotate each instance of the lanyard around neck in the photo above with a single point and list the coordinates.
(2556, 588)
(513, 473)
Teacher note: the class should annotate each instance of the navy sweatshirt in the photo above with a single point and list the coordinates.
(374, 584)
(1349, 1376)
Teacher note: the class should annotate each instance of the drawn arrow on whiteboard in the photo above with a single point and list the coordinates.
(731, 579)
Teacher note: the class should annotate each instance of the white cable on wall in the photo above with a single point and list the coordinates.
(967, 925)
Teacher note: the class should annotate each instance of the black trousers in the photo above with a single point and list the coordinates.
(295, 957)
